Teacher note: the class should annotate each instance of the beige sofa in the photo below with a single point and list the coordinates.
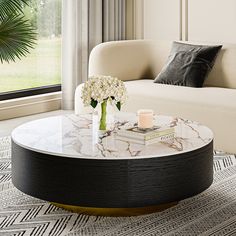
(138, 62)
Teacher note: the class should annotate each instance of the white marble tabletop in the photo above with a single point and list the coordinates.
(78, 137)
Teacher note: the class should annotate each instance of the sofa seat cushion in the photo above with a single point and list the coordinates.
(212, 97)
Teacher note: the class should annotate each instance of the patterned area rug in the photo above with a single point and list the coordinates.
(212, 212)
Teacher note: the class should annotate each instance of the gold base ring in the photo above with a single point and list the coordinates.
(115, 211)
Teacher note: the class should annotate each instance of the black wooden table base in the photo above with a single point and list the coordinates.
(109, 185)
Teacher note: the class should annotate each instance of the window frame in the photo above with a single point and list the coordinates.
(30, 92)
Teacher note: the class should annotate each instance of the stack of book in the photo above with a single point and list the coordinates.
(146, 137)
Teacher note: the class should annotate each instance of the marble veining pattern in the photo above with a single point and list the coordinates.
(78, 136)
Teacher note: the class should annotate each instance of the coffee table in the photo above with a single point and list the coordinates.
(67, 161)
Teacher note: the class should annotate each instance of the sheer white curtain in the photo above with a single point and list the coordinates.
(86, 23)
(81, 31)
(114, 20)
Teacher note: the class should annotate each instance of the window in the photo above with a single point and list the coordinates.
(40, 71)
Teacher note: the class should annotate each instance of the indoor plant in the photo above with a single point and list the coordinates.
(103, 90)
(17, 35)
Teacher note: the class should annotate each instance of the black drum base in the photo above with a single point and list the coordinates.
(131, 186)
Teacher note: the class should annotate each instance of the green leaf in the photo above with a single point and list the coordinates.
(11, 7)
(17, 37)
(94, 103)
(118, 105)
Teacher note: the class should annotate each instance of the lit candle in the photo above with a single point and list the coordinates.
(145, 119)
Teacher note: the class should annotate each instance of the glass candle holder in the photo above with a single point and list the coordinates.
(145, 119)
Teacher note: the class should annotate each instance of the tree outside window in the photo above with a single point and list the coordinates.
(42, 67)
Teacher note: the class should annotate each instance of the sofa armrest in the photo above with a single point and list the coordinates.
(126, 60)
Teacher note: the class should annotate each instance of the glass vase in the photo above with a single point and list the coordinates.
(103, 118)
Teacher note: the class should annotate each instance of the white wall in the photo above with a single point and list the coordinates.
(161, 19)
(195, 20)
(212, 20)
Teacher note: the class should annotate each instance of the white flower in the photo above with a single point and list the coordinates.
(101, 88)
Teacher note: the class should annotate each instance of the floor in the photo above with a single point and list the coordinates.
(7, 126)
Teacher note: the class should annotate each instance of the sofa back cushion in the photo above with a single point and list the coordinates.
(144, 59)
(223, 73)
(127, 60)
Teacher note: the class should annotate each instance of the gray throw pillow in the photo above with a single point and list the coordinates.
(188, 65)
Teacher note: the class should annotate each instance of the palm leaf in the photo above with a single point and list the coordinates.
(17, 36)
(9, 7)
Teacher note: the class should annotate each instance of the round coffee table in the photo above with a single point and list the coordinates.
(67, 161)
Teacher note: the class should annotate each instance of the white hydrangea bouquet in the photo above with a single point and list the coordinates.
(101, 90)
